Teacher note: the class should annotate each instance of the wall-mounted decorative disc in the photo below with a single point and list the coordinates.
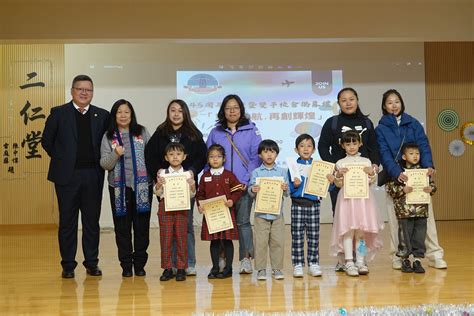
(448, 120)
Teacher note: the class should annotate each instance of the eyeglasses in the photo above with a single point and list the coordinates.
(232, 108)
(83, 90)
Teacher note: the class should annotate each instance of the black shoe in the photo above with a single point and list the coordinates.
(140, 272)
(94, 271)
(227, 273)
(126, 273)
(167, 275)
(67, 274)
(181, 275)
(213, 274)
(417, 267)
(406, 266)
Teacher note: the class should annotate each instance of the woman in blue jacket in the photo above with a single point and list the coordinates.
(240, 139)
(395, 129)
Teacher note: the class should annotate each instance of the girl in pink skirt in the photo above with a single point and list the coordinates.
(356, 221)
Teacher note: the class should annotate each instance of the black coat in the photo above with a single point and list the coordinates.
(59, 140)
(196, 152)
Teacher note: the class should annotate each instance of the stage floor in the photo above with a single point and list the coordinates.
(31, 283)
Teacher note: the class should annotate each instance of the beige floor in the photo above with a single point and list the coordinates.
(30, 282)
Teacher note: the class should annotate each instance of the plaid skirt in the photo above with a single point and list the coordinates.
(230, 234)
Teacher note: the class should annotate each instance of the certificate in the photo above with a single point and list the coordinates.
(418, 180)
(356, 182)
(217, 214)
(269, 196)
(318, 183)
(293, 168)
(176, 192)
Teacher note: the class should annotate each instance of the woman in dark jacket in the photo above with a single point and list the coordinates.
(395, 129)
(178, 127)
(350, 118)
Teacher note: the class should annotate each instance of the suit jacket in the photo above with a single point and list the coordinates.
(60, 140)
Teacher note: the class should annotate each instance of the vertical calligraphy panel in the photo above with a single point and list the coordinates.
(32, 81)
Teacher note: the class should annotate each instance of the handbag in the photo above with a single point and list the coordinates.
(383, 177)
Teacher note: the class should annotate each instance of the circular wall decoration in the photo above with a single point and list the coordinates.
(456, 148)
(448, 120)
(467, 133)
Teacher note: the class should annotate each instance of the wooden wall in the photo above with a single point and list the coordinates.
(449, 69)
(31, 82)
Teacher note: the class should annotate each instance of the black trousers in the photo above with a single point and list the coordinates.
(411, 236)
(131, 253)
(333, 193)
(84, 193)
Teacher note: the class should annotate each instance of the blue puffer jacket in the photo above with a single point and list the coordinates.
(390, 135)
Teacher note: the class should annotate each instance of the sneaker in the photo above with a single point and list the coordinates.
(417, 267)
(262, 275)
(190, 271)
(315, 270)
(181, 275)
(167, 275)
(298, 271)
(339, 267)
(277, 274)
(438, 264)
(246, 266)
(362, 268)
(222, 263)
(397, 263)
(351, 269)
(406, 266)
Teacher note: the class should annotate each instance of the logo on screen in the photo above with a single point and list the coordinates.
(202, 84)
(322, 82)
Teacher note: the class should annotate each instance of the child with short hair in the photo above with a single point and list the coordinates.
(305, 210)
(215, 182)
(356, 220)
(269, 228)
(173, 224)
(412, 218)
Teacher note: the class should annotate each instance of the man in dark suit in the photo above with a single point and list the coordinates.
(72, 137)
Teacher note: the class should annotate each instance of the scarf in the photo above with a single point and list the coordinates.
(137, 148)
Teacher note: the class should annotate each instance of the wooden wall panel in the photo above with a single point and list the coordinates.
(449, 70)
(32, 81)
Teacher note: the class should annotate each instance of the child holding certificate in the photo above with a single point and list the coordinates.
(356, 220)
(412, 218)
(217, 182)
(269, 227)
(174, 222)
(304, 212)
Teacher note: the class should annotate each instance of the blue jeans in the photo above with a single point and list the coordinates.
(191, 241)
(243, 208)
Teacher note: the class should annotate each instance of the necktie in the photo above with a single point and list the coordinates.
(81, 110)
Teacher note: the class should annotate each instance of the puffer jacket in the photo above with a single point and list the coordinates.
(390, 136)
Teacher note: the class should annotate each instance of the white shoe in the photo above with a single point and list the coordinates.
(262, 275)
(298, 271)
(351, 269)
(339, 267)
(222, 264)
(277, 274)
(362, 268)
(246, 266)
(315, 270)
(190, 271)
(397, 263)
(438, 264)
